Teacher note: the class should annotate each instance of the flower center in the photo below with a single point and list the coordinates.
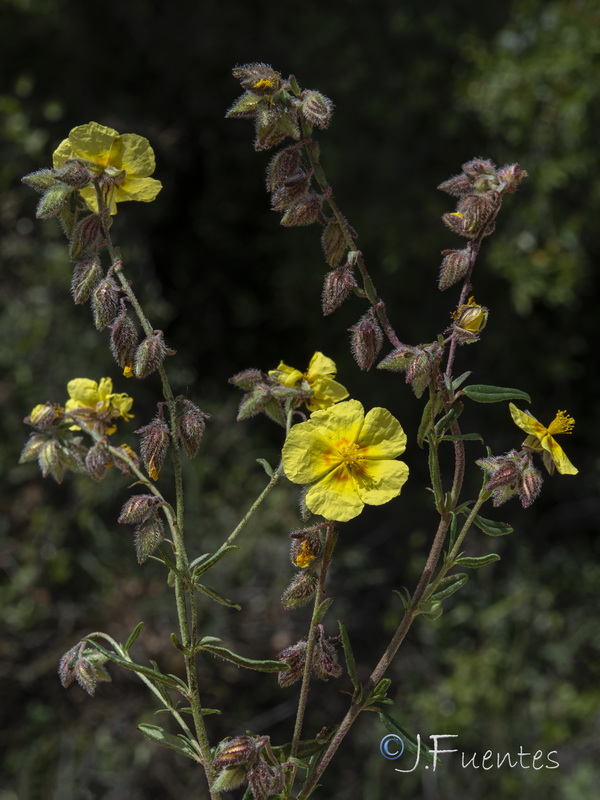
(349, 453)
(562, 423)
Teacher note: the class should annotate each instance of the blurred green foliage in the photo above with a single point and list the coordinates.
(418, 91)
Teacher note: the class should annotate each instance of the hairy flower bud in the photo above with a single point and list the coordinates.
(366, 340)
(228, 779)
(283, 166)
(87, 274)
(258, 78)
(337, 287)
(477, 210)
(325, 658)
(123, 339)
(457, 186)
(51, 460)
(334, 243)
(74, 173)
(147, 536)
(291, 192)
(455, 221)
(265, 780)
(105, 303)
(154, 446)
(295, 658)
(316, 109)
(85, 665)
(300, 590)
(454, 267)
(478, 166)
(86, 234)
(53, 201)
(138, 508)
(530, 484)
(469, 320)
(98, 460)
(306, 546)
(32, 448)
(40, 180)
(248, 379)
(503, 475)
(44, 416)
(191, 422)
(511, 176)
(150, 354)
(303, 212)
(235, 751)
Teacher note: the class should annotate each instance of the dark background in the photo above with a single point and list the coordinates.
(419, 89)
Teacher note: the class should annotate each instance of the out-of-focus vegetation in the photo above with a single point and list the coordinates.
(418, 91)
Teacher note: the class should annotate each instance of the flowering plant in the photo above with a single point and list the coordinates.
(345, 459)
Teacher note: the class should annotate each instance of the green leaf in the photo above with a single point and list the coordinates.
(405, 596)
(242, 661)
(475, 563)
(199, 568)
(349, 656)
(428, 417)
(133, 636)
(322, 609)
(181, 744)
(446, 421)
(464, 437)
(491, 527)
(447, 586)
(153, 674)
(411, 743)
(266, 466)
(457, 382)
(218, 598)
(179, 646)
(493, 394)
(209, 640)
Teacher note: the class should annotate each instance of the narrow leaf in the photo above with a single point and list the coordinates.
(493, 394)
(411, 743)
(446, 421)
(153, 674)
(218, 598)
(475, 563)
(199, 568)
(266, 466)
(322, 609)
(181, 744)
(464, 437)
(447, 586)
(457, 382)
(491, 527)
(179, 646)
(242, 661)
(349, 656)
(133, 636)
(427, 418)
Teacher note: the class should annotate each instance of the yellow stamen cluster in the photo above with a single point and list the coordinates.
(562, 423)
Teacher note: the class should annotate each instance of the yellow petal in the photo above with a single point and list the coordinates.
(327, 392)
(381, 435)
(286, 376)
(563, 465)
(144, 190)
(335, 497)
(122, 403)
(82, 392)
(526, 422)
(136, 156)
(320, 367)
(105, 388)
(306, 454)
(380, 481)
(91, 141)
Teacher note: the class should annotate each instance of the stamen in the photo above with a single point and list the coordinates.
(562, 423)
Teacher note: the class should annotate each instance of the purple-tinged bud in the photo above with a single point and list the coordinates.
(123, 339)
(304, 212)
(457, 186)
(334, 243)
(150, 354)
(66, 667)
(530, 485)
(477, 211)
(154, 446)
(295, 658)
(138, 508)
(366, 340)
(74, 173)
(248, 379)
(291, 192)
(478, 166)
(85, 675)
(283, 166)
(85, 665)
(265, 780)
(98, 460)
(300, 590)
(454, 267)
(511, 175)
(53, 201)
(191, 422)
(231, 752)
(316, 108)
(337, 287)
(105, 303)
(87, 234)
(87, 274)
(455, 221)
(503, 472)
(325, 658)
(258, 78)
(147, 536)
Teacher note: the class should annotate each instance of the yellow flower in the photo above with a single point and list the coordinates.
(99, 398)
(541, 438)
(319, 377)
(348, 458)
(471, 316)
(124, 163)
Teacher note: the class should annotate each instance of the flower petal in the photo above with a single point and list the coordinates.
(563, 465)
(91, 141)
(327, 392)
(286, 376)
(335, 497)
(380, 481)
(142, 189)
(307, 453)
(82, 392)
(526, 422)
(382, 435)
(320, 367)
(136, 156)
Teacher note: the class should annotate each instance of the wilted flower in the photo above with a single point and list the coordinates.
(319, 379)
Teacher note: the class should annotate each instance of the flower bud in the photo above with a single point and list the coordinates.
(303, 212)
(503, 472)
(478, 166)
(86, 234)
(265, 780)
(366, 340)
(337, 287)
(66, 667)
(457, 186)
(147, 536)
(291, 192)
(300, 590)
(454, 267)
(258, 78)
(325, 658)
(52, 201)
(469, 320)
(306, 546)
(105, 303)
(154, 446)
(245, 107)
(87, 274)
(138, 508)
(477, 211)
(41, 180)
(44, 415)
(98, 460)
(530, 484)
(511, 175)
(51, 460)
(334, 243)
(248, 379)
(316, 109)
(32, 448)
(123, 339)
(295, 658)
(231, 752)
(150, 354)
(455, 221)
(228, 779)
(282, 167)
(191, 422)
(74, 173)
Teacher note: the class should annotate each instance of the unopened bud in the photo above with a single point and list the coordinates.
(265, 780)
(41, 180)
(191, 422)
(454, 267)
(32, 448)
(138, 508)
(300, 590)
(530, 485)
(105, 303)
(123, 339)
(98, 460)
(87, 274)
(52, 201)
(66, 667)
(235, 751)
(248, 379)
(477, 211)
(477, 167)
(317, 109)
(86, 234)
(306, 546)
(290, 193)
(74, 173)
(258, 78)
(282, 167)
(228, 779)
(147, 536)
(304, 212)
(398, 360)
(455, 221)
(44, 415)
(154, 446)
(325, 658)
(511, 175)
(337, 287)
(334, 243)
(469, 320)
(150, 354)
(366, 340)
(51, 461)
(295, 658)
(457, 186)
(503, 472)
